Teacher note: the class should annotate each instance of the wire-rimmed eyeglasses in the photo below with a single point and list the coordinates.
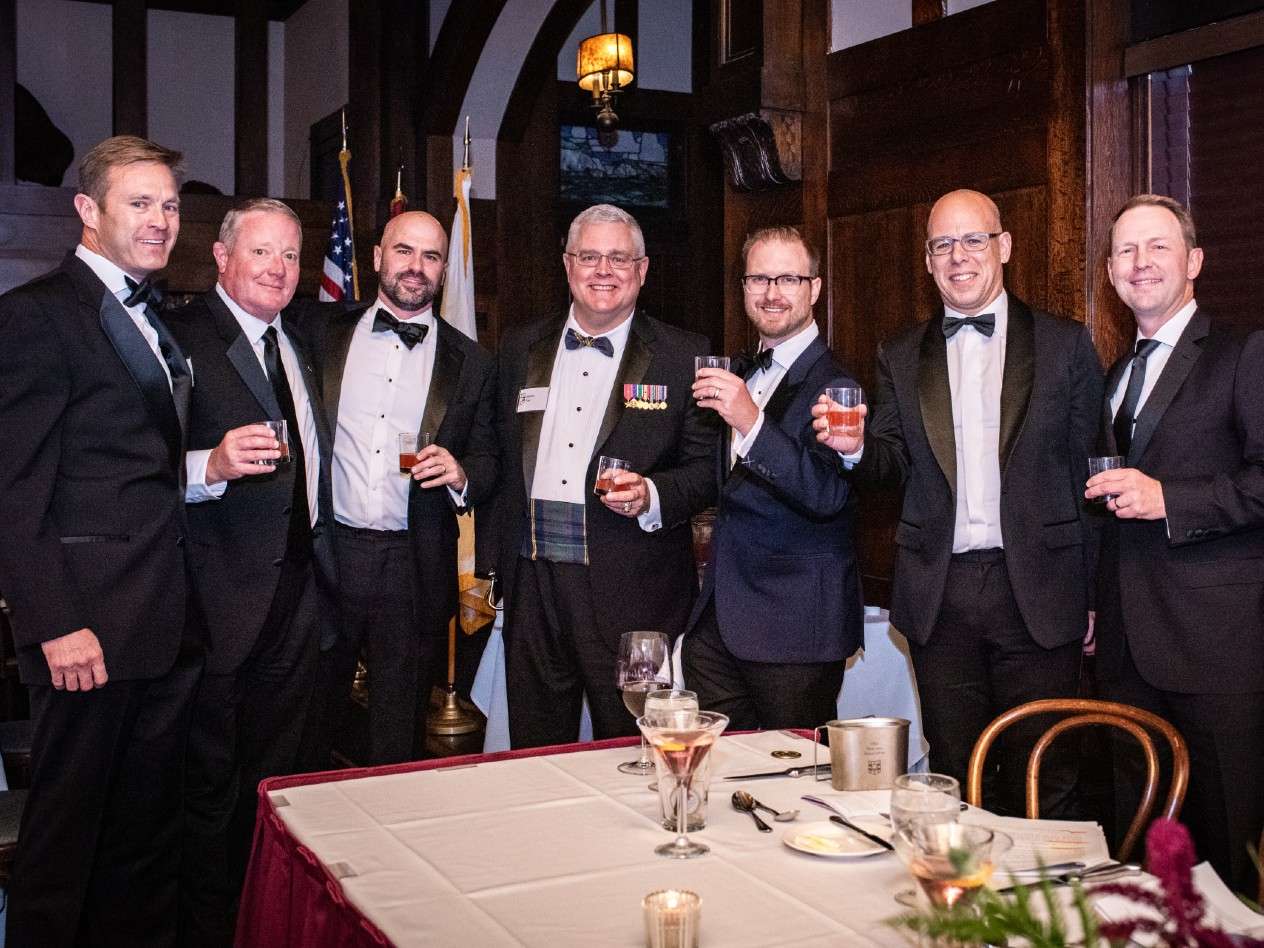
(970, 243)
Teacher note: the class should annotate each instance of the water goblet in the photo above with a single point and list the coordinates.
(923, 799)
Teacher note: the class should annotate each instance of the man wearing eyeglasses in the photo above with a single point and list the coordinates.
(780, 610)
(579, 570)
(986, 414)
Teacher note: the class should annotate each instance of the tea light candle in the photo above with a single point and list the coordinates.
(672, 918)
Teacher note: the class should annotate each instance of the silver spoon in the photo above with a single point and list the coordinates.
(781, 816)
(746, 803)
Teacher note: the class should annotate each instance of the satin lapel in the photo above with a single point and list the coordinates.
(145, 369)
(792, 381)
(337, 342)
(1018, 375)
(1178, 366)
(323, 436)
(636, 359)
(443, 380)
(242, 357)
(1108, 417)
(934, 394)
(538, 373)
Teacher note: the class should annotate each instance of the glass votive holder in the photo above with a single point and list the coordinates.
(672, 918)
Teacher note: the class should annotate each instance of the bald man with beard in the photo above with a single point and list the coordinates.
(387, 368)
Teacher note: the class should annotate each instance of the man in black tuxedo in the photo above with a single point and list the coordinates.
(260, 545)
(986, 414)
(579, 570)
(780, 609)
(389, 368)
(93, 406)
(1181, 608)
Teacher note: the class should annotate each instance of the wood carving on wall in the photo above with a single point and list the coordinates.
(762, 149)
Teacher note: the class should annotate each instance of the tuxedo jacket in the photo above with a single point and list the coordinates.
(1187, 593)
(91, 477)
(1050, 402)
(458, 414)
(783, 565)
(238, 542)
(640, 579)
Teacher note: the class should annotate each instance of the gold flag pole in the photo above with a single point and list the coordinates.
(449, 719)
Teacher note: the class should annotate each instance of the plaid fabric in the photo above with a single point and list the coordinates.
(559, 532)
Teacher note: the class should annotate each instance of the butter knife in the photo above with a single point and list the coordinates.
(788, 772)
(876, 840)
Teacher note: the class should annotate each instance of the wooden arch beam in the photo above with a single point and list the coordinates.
(456, 53)
(540, 66)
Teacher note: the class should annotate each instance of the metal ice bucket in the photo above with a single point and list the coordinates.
(865, 753)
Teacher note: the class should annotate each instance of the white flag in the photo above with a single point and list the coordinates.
(458, 292)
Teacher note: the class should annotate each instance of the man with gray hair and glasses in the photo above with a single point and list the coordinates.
(578, 570)
(986, 414)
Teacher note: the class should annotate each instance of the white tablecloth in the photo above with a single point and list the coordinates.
(879, 681)
(559, 850)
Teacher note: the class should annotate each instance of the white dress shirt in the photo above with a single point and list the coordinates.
(253, 328)
(579, 390)
(764, 382)
(115, 280)
(976, 370)
(1168, 335)
(384, 390)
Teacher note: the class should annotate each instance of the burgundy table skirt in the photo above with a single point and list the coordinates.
(290, 899)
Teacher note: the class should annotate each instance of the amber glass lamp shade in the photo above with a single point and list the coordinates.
(604, 63)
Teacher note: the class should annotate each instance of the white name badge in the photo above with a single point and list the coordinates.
(533, 399)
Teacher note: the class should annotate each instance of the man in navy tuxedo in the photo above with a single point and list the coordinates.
(780, 609)
(94, 408)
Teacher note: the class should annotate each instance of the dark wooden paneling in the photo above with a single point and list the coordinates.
(250, 95)
(928, 11)
(130, 29)
(8, 76)
(38, 225)
(1203, 42)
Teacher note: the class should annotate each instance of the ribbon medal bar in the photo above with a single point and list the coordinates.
(650, 397)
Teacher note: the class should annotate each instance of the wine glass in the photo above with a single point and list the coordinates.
(641, 666)
(682, 744)
(923, 799)
(950, 862)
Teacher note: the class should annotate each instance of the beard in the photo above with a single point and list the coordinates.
(408, 299)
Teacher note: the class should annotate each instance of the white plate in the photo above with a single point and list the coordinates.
(830, 841)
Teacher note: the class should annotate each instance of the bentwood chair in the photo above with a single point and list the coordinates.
(1082, 712)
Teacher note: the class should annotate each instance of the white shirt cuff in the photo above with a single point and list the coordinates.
(851, 460)
(743, 444)
(652, 519)
(458, 497)
(196, 489)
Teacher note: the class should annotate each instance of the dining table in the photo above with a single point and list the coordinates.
(555, 847)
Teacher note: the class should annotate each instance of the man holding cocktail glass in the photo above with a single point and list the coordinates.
(986, 414)
(780, 609)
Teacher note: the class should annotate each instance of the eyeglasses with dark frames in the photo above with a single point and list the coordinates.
(754, 282)
(970, 243)
(588, 259)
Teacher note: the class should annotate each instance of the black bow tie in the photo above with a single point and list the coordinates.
(409, 333)
(984, 323)
(143, 293)
(577, 340)
(761, 360)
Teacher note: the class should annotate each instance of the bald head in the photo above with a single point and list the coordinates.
(969, 281)
(410, 262)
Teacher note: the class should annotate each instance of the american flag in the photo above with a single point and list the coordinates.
(338, 281)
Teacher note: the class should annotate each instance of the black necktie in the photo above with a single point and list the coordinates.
(1132, 394)
(409, 333)
(984, 323)
(299, 543)
(577, 340)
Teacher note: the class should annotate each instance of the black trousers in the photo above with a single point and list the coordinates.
(757, 694)
(378, 596)
(554, 655)
(246, 727)
(1224, 805)
(98, 852)
(980, 661)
